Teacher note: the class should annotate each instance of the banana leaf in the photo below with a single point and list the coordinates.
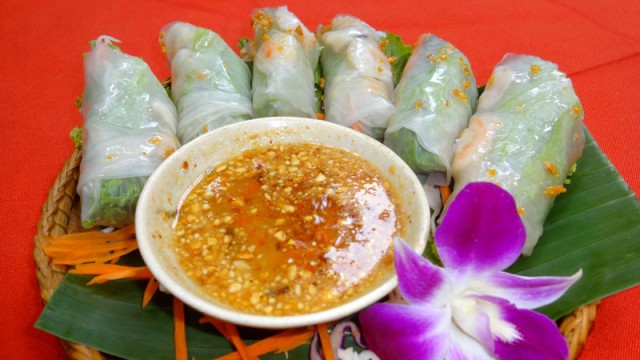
(594, 226)
(109, 318)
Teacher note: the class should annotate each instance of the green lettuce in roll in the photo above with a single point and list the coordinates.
(210, 84)
(129, 127)
(285, 57)
(434, 99)
(525, 136)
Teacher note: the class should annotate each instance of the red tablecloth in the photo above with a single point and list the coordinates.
(596, 42)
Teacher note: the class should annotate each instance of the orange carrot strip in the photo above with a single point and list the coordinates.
(120, 234)
(445, 192)
(78, 259)
(278, 343)
(150, 290)
(320, 115)
(356, 126)
(107, 272)
(88, 247)
(325, 341)
(218, 324)
(91, 246)
(240, 346)
(142, 273)
(179, 331)
(230, 332)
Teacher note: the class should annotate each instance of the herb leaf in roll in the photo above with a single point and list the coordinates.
(525, 136)
(398, 54)
(435, 97)
(129, 126)
(210, 84)
(358, 90)
(285, 57)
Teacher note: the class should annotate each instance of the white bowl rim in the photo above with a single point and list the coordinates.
(174, 287)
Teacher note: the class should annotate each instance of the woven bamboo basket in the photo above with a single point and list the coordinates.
(61, 215)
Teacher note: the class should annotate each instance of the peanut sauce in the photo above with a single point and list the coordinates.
(288, 229)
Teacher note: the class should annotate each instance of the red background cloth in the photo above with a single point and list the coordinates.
(596, 42)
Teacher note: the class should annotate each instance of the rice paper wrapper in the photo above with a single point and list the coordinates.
(129, 129)
(436, 96)
(285, 57)
(525, 136)
(210, 83)
(358, 89)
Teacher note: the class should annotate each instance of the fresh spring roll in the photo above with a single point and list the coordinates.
(285, 57)
(434, 99)
(129, 128)
(358, 88)
(210, 84)
(525, 136)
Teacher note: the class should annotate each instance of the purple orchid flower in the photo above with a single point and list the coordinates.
(471, 308)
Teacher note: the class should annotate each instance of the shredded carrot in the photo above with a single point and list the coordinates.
(320, 116)
(278, 343)
(91, 246)
(107, 272)
(179, 331)
(445, 192)
(218, 324)
(230, 332)
(325, 341)
(150, 290)
(235, 339)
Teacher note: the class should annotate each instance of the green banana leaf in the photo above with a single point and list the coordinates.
(595, 227)
(109, 318)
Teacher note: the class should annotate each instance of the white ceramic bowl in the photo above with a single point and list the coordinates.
(166, 187)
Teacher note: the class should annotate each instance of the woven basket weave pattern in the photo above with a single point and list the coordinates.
(61, 215)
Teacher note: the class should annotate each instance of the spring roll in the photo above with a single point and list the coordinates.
(210, 84)
(358, 90)
(129, 127)
(525, 136)
(434, 99)
(285, 57)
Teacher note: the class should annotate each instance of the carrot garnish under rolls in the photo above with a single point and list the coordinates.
(179, 330)
(278, 343)
(218, 324)
(230, 332)
(91, 246)
(108, 272)
(235, 339)
(150, 290)
(325, 341)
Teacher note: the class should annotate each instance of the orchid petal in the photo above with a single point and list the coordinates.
(464, 347)
(525, 292)
(538, 336)
(397, 331)
(481, 232)
(418, 279)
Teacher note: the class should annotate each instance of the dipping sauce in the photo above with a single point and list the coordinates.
(288, 229)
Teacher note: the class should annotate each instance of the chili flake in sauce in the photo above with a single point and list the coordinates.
(288, 229)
